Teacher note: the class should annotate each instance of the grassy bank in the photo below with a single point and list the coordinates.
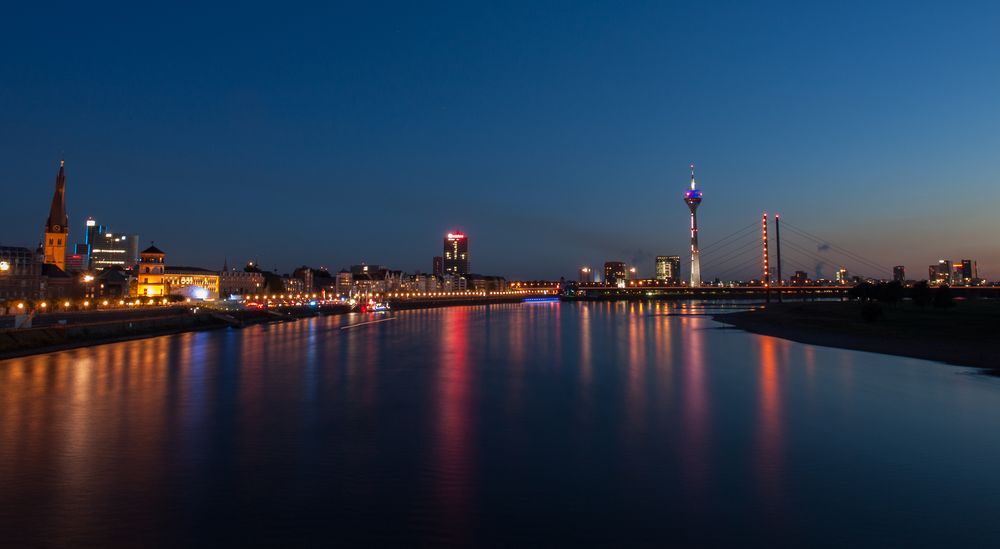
(967, 334)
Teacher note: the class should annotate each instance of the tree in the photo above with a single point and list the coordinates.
(864, 291)
(921, 293)
(871, 311)
(889, 292)
(943, 298)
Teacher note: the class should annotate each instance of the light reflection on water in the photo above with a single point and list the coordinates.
(594, 424)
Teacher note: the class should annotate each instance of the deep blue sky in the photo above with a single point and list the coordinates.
(554, 134)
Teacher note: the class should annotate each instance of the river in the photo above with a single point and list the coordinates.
(602, 424)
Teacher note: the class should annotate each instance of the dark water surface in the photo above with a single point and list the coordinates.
(541, 424)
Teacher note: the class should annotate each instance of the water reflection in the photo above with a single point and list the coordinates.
(454, 442)
(509, 425)
(769, 463)
(696, 428)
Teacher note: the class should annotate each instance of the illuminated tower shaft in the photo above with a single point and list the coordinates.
(693, 198)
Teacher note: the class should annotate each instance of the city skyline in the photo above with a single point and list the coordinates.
(246, 154)
(455, 258)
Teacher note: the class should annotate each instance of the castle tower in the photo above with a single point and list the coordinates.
(57, 224)
(150, 273)
(693, 198)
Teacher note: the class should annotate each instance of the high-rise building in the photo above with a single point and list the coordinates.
(586, 275)
(940, 273)
(614, 273)
(456, 254)
(57, 224)
(113, 250)
(104, 248)
(668, 268)
(693, 198)
(965, 272)
(843, 277)
(899, 273)
(150, 273)
(437, 268)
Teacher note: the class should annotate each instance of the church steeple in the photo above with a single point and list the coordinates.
(58, 221)
(57, 224)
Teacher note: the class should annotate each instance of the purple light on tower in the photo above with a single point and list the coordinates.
(693, 198)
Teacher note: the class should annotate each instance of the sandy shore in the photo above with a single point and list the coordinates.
(965, 335)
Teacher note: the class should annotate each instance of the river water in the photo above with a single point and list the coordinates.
(602, 424)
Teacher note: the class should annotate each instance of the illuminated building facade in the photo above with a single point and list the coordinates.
(456, 254)
(20, 274)
(108, 249)
(668, 268)
(111, 282)
(77, 261)
(586, 275)
(57, 224)
(239, 282)
(842, 276)
(693, 199)
(150, 273)
(899, 273)
(965, 272)
(190, 282)
(940, 273)
(293, 285)
(344, 281)
(615, 273)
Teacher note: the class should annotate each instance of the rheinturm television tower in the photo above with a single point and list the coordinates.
(693, 199)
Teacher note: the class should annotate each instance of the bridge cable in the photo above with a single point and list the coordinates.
(723, 239)
(743, 240)
(816, 257)
(857, 257)
(846, 254)
(835, 259)
(732, 255)
(736, 268)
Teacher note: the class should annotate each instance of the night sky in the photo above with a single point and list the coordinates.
(555, 135)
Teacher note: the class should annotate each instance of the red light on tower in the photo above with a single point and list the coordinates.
(767, 268)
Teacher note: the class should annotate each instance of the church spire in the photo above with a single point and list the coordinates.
(58, 221)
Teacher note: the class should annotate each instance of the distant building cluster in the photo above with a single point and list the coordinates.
(959, 273)
(108, 265)
(667, 268)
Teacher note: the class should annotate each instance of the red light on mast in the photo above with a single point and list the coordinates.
(767, 271)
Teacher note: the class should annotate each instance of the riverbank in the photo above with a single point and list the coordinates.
(167, 321)
(967, 334)
(48, 339)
